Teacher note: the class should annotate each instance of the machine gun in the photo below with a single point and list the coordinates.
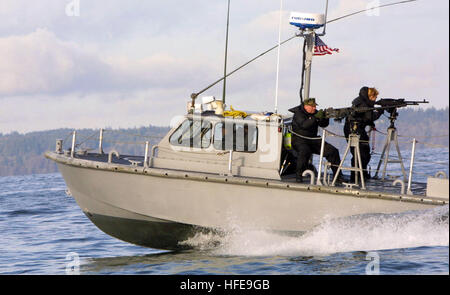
(391, 105)
(398, 103)
(342, 113)
(351, 113)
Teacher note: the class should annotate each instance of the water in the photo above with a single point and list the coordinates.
(43, 231)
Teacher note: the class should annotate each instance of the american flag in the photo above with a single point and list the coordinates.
(320, 48)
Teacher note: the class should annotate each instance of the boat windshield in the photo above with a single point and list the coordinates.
(192, 133)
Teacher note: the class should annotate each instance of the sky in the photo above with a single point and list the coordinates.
(123, 64)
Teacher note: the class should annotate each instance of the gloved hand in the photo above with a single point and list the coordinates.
(320, 114)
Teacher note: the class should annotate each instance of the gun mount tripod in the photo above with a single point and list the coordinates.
(391, 137)
(352, 142)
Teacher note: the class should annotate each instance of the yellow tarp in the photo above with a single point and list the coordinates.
(233, 113)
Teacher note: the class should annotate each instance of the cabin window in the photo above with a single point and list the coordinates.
(192, 133)
(236, 137)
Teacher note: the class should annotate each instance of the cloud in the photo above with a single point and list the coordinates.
(40, 63)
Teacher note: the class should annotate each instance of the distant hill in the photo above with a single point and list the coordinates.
(22, 154)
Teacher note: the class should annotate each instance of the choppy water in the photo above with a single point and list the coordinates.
(43, 231)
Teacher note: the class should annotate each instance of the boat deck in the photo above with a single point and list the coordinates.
(379, 185)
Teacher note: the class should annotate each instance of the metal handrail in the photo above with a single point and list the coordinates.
(152, 154)
(230, 163)
(146, 154)
(411, 164)
(310, 173)
(74, 139)
(322, 147)
(110, 154)
(399, 181)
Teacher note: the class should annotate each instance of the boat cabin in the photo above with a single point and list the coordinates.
(210, 143)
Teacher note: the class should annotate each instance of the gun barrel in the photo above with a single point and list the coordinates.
(416, 102)
(401, 102)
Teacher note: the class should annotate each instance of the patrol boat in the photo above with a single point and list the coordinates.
(215, 168)
(197, 182)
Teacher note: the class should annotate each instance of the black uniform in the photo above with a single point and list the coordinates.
(364, 119)
(307, 125)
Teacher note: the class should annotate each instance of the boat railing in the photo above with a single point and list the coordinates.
(100, 142)
(324, 165)
(413, 153)
(402, 185)
(152, 155)
(74, 140)
(146, 154)
(111, 153)
(149, 154)
(230, 163)
(322, 178)
(440, 173)
(99, 137)
(311, 174)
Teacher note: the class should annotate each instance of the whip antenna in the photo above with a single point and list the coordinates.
(278, 58)
(226, 54)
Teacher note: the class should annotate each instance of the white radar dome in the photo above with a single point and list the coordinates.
(307, 20)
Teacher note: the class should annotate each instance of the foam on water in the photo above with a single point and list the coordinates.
(357, 233)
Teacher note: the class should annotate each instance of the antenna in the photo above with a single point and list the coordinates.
(278, 58)
(226, 54)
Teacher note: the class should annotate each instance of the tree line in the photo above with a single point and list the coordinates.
(22, 154)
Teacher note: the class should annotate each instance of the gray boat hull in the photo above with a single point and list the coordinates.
(152, 234)
(160, 209)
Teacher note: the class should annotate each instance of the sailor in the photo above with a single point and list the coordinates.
(367, 97)
(305, 142)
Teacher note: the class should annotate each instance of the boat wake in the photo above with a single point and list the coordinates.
(357, 233)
